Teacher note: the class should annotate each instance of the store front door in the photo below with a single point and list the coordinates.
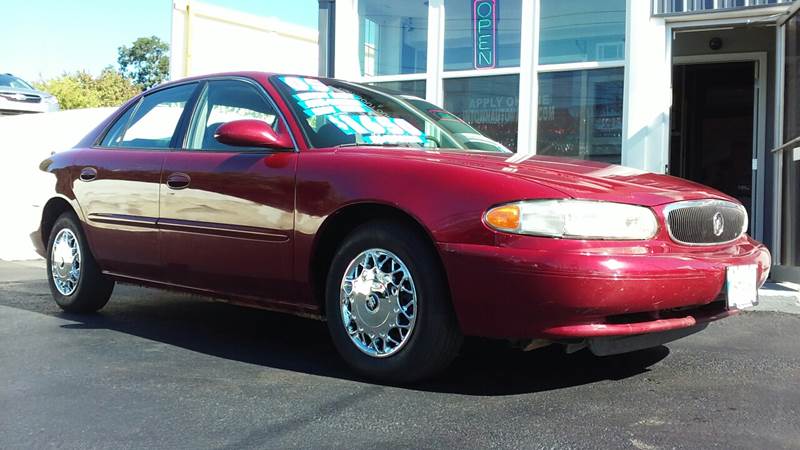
(714, 126)
(787, 159)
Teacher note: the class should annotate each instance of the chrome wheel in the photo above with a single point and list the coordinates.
(378, 301)
(65, 262)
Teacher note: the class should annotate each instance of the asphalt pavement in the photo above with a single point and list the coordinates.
(163, 370)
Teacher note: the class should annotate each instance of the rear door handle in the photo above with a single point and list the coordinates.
(178, 180)
(88, 174)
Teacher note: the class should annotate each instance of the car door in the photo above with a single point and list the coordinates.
(227, 213)
(117, 185)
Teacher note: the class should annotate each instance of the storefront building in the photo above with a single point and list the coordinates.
(701, 89)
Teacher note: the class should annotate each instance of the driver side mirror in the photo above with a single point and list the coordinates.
(252, 133)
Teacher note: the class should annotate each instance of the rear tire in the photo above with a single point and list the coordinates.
(388, 306)
(75, 280)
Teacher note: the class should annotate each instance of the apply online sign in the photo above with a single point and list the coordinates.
(484, 18)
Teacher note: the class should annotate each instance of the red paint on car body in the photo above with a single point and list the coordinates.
(502, 285)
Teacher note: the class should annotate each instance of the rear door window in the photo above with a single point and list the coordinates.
(152, 123)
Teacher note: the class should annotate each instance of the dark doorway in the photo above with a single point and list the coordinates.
(712, 125)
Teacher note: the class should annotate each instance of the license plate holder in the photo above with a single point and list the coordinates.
(741, 286)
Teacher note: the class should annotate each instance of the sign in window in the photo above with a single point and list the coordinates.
(484, 18)
(481, 34)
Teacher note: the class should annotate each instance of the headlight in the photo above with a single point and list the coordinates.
(576, 219)
(51, 100)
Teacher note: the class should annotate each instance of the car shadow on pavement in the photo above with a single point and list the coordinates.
(491, 368)
(484, 367)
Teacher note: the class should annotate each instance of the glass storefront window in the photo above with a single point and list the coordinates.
(489, 104)
(580, 114)
(481, 34)
(393, 37)
(410, 87)
(581, 30)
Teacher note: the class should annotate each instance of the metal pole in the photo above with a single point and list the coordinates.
(327, 37)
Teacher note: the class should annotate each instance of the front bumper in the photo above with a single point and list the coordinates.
(570, 292)
(9, 107)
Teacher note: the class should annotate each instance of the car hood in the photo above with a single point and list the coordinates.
(574, 178)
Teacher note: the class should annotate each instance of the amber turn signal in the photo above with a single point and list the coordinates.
(504, 217)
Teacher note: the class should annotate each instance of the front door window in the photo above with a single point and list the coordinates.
(225, 101)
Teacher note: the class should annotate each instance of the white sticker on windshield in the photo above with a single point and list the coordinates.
(305, 84)
(295, 83)
(411, 129)
(353, 124)
(316, 85)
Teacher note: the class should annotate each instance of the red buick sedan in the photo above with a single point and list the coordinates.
(393, 220)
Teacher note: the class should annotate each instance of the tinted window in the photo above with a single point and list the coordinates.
(226, 101)
(154, 121)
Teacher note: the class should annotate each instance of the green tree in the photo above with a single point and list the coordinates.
(81, 90)
(146, 61)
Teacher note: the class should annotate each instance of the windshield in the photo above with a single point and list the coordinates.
(13, 82)
(459, 130)
(335, 113)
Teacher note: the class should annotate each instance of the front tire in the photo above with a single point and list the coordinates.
(388, 306)
(75, 280)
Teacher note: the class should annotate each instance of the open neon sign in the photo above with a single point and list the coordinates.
(484, 18)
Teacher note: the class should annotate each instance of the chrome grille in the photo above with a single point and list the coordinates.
(20, 97)
(705, 222)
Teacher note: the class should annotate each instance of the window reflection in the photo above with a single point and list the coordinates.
(581, 30)
(580, 114)
(393, 37)
(410, 87)
(489, 104)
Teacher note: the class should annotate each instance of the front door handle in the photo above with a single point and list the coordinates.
(88, 174)
(178, 180)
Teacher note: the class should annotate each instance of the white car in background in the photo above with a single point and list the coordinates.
(19, 97)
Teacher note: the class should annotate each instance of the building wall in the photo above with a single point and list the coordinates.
(207, 39)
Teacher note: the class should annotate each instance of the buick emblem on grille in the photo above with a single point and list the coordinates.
(719, 224)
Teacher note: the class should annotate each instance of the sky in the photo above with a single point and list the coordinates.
(41, 39)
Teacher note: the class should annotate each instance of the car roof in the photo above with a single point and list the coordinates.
(258, 75)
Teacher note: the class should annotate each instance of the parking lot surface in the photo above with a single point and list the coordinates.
(164, 370)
